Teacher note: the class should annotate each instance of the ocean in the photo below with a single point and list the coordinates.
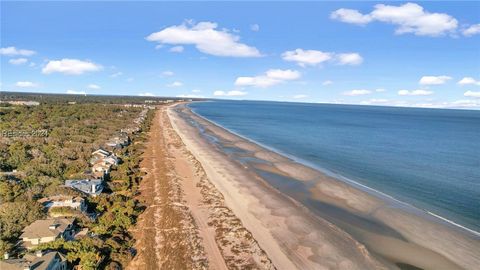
(429, 158)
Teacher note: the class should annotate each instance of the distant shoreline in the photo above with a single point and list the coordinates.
(405, 222)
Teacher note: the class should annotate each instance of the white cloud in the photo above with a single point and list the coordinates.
(175, 84)
(327, 82)
(300, 96)
(146, 94)
(472, 30)
(409, 18)
(116, 74)
(313, 57)
(176, 49)
(255, 27)
(468, 80)
(12, 51)
(233, 93)
(419, 92)
(306, 57)
(189, 96)
(26, 84)
(74, 92)
(375, 101)
(357, 92)
(196, 91)
(93, 86)
(167, 73)
(206, 38)
(70, 66)
(472, 94)
(18, 61)
(350, 16)
(434, 80)
(465, 103)
(380, 90)
(349, 59)
(271, 77)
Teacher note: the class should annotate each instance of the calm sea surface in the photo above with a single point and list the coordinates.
(429, 158)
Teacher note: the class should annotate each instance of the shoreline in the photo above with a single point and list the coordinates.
(339, 177)
(366, 206)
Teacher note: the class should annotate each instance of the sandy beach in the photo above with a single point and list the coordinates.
(208, 208)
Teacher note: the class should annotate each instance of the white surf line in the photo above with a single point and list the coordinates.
(338, 176)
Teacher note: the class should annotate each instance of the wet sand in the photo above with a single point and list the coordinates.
(305, 219)
(186, 224)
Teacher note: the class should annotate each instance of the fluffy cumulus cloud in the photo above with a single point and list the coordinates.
(409, 18)
(26, 84)
(175, 84)
(434, 80)
(18, 61)
(468, 80)
(307, 57)
(206, 38)
(419, 92)
(472, 94)
(357, 92)
(350, 16)
(75, 92)
(12, 51)
(314, 57)
(70, 66)
(471, 30)
(270, 78)
(93, 86)
(232, 93)
(349, 59)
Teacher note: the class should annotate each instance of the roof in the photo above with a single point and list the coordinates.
(35, 263)
(60, 198)
(42, 263)
(102, 166)
(102, 152)
(41, 228)
(85, 185)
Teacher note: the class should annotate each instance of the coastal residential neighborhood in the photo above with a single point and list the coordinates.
(73, 222)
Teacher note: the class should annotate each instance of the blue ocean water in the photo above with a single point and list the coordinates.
(429, 158)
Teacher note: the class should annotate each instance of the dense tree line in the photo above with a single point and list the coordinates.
(42, 163)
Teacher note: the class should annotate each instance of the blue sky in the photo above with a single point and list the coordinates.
(423, 54)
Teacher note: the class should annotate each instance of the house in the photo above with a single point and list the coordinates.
(91, 187)
(101, 152)
(47, 230)
(112, 160)
(119, 140)
(73, 202)
(101, 166)
(52, 260)
(100, 169)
